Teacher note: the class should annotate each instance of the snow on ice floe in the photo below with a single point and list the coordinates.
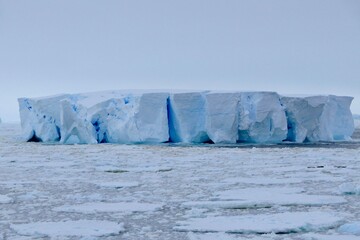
(5, 199)
(349, 188)
(350, 228)
(210, 236)
(117, 184)
(264, 197)
(318, 236)
(126, 207)
(80, 228)
(288, 222)
(189, 117)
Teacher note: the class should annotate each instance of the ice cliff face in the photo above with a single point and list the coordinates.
(318, 118)
(188, 117)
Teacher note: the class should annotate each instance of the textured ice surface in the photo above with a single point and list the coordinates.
(262, 118)
(350, 188)
(189, 117)
(5, 199)
(350, 228)
(317, 236)
(110, 207)
(319, 118)
(81, 228)
(222, 118)
(265, 197)
(38, 178)
(263, 223)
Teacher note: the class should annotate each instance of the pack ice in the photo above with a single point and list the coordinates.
(188, 117)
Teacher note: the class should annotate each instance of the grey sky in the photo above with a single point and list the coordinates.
(305, 46)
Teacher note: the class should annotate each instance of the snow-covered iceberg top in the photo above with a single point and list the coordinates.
(185, 116)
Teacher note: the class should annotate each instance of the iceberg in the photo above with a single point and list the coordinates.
(132, 117)
(262, 118)
(187, 117)
(318, 118)
(40, 118)
(222, 118)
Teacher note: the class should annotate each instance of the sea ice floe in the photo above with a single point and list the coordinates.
(350, 228)
(265, 197)
(210, 236)
(5, 199)
(350, 188)
(80, 228)
(117, 184)
(289, 222)
(318, 236)
(126, 207)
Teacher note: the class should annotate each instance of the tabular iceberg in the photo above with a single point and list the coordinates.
(262, 118)
(188, 117)
(318, 118)
(222, 117)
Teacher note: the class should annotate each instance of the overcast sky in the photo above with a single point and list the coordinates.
(67, 46)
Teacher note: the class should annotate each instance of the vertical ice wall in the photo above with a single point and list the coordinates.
(187, 117)
(261, 118)
(222, 118)
(190, 117)
(318, 118)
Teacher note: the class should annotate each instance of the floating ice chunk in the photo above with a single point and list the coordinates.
(263, 180)
(279, 196)
(288, 222)
(4, 199)
(81, 228)
(262, 118)
(265, 197)
(95, 207)
(75, 128)
(187, 117)
(350, 228)
(117, 184)
(210, 236)
(317, 236)
(222, 118)
(349, 188)
(319, 118)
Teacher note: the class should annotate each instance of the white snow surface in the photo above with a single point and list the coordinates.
(94, 207)
(265, 197)
(146, 191)
(81, 228)
(188, 117)
(4, 199)
(263, 223)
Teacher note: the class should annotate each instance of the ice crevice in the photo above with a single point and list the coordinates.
(132, 117)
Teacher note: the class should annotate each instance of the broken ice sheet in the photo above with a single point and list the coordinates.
(81, 228)
(126, 207)
(265, 197)
(288, 222)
